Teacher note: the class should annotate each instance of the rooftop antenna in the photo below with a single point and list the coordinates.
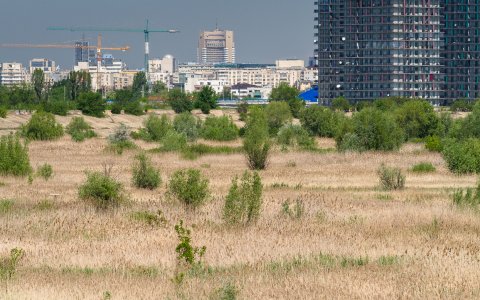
(216, 24)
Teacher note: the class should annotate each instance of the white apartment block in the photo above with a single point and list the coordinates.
(13, 74)
(162, 70)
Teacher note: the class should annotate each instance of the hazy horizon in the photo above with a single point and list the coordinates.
(264, 30)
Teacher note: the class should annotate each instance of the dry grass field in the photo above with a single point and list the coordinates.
(353, 240)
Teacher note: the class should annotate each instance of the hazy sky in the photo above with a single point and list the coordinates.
(265, 30)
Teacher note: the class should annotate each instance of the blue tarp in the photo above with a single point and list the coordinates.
(310, 95)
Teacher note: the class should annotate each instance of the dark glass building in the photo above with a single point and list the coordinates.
(378, 48)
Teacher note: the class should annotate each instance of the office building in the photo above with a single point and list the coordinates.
(84, 54)
(216, 46)
(47, 66)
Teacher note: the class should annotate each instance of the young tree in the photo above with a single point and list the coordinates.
(340, 104)
(179, 101)
(139, 84)
(256, 143)
(78, 82)
(92, 104)
(285, 92)
(206, 99)
(38, 81)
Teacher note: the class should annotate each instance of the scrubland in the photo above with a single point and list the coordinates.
(351, 239)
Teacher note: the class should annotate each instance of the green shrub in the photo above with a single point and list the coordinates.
(467, 198)
(295, 136)
(256, 142)
(59, 107)
(45, 171)
(278, 114)
(468, 127)
(134, 108)
(371, 130)
(14, 158)
(320, 121)
(189, 257)
(8, 264)
(145, 175)
(219, 129)
(174, 141)
(79, 129)
(461, 105)
(92, 104)
(120, 139)
(152, 219)
(189, 186)
(42, 126)
(244, 200)
(102, 191)
(424, 167)
(3, 112)
(206, 99)
(462, 157)
(341, 104)
(297, 211)
(417, 118)
(195, 150)
(385, 104)
(187, 124)
(6, 206)
(242, 110)
(433, 143)
(227, 292)
(391, 178)
(179, 101)
(116, 108)
(156, 128)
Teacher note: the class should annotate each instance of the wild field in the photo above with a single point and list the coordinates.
(341, 236)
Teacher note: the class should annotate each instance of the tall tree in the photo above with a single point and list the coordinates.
(206, 99)
(139, 84)
(78, 82)
(38, 81)
(285, 92)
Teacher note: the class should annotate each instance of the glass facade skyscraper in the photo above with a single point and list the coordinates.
(378, 48)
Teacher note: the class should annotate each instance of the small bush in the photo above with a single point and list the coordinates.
(152, 219)
(59, 108)
(174, 141)
(417, 118)
(206, 99)
(320, 121)
(423, 168)
(189, 186)
(297, 211)
(244, 200)
(187, 124)
(42, 126)
(179, 101)
(256, 142)
(3, 112)
(462, 157)
(14, 158)
(45, 171)
(120, 140)
(80, 130)
(134, 108)
(219, 129)
(145, 176)
(92, 104)
(467, 198)
(433, 143)
(156, 128)
(6, 206)
(8, 264)
(341, 104)
(188, 256)
(227, 292)
(278, 114)
(102, 191)
(242, 110)
(195, 150)
(371, 129)
(391, 178)
(295, 136)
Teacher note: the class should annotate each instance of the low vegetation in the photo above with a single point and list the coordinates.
(295, 136)
(45, 171)
(79, 129)
(424, 167)
(391, 178)
(102, 191)
(120, 140)
(14, 159)
(244, 200)
(189, 186)
(144, 174)
(219, 129)
(188, 125)
(256, 142)
(42, 126)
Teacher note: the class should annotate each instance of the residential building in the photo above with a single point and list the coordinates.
(12, 73)
(163, 70)
(373, 49)
(249, 91)
(461, 53)
(216, 47)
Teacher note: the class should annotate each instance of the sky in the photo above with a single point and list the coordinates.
(265, 30)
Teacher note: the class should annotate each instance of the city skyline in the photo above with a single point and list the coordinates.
(261, 37)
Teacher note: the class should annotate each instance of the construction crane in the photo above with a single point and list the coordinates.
(146, 31)
(98, 47)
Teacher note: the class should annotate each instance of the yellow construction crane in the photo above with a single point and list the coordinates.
(98, 47)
